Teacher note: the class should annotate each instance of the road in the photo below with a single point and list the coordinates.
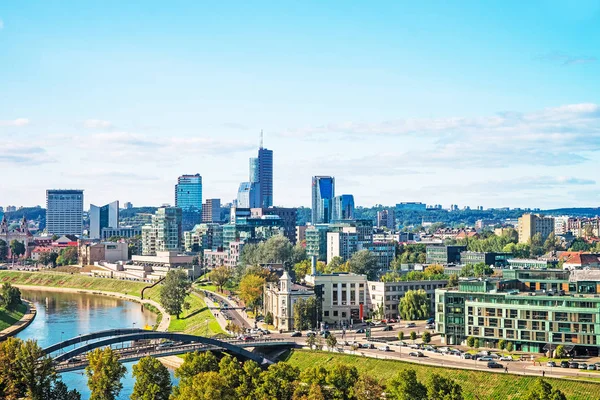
(238, 317)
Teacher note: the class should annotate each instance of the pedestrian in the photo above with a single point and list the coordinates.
(505, 369)
(543, 373)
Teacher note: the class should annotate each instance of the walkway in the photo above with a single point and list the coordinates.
(21, 324)
(238, 317)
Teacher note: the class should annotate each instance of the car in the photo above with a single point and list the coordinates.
(164, 345)
(296, 334)
(325, 334)
(467, 356)
(494, 364)
(564, 364)
(411, 325)
(597, 364)
(574, 365)
(430, 326)
(591, 367)
(583, 366)
(505, 358)
(387, 328)
(310, 333)
(248, 338)
(361, 330)
(383, 348)
(550, 364)
(430, 321)
(392, 321)
(485, 358)
(416, 354)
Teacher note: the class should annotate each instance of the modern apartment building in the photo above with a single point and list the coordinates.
(288, 217)
(188, 197)
(204, 237)
(443, 254)
(536, 310)
(530, 224)
(342, 244)
(323, 192)
(386, 219)
(103, 217)
(385, 253)
(122, 231)
(64, 212)
(316, 241)
(211, 211)
(164, 233)
(343, 207)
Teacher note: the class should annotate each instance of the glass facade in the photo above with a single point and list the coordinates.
(265, 177)
(323, 192)
(343, 207)
(188, 197)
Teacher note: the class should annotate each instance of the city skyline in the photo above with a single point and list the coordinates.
(494, 106)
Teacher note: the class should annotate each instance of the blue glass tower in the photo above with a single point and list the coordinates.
(343, 207)
(323, 192)
(188, 197)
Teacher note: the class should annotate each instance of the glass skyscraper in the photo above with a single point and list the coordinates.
(343, 207)
(188, 197)
(254, 170)
(106, 216)
(323, 192)
(265, 176)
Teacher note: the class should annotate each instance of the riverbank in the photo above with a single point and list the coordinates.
(26, 317)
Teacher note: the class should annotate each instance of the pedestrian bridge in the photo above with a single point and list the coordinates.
(70, 355)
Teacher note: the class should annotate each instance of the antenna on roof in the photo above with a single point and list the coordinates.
(261, 138)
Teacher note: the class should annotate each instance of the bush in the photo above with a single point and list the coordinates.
(470, 341)
(476, 343)
(560, 351)
(502, 344)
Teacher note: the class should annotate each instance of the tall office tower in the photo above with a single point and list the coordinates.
(323, 191)
(343, 207)
(248, 195)
(128, 205)
(164, 233)
(188, 197)
(254, 170)
(103, 217)
(64, 212)
(386, 219)
(211, 210)
(530, 224)
(265, 176)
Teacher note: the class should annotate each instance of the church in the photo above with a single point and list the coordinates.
(20, 234)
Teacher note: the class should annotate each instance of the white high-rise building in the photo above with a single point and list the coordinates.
(64, 212)
(103, 217)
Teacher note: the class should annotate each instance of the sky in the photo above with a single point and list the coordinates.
(468, 102)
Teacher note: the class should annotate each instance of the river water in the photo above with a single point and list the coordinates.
(62, 316)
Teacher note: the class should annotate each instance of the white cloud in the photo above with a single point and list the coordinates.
(15, 122)
(23, 154)
(97, 124)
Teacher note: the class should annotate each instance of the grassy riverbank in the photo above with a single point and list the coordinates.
(10, 317)
(197, 320)
(475, 384)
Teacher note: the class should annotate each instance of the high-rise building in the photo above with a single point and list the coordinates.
(64, 212)
(106, 216)
(248, 195)
(254, 170)
(530, 224)
(211, 210)
(265, 176)
(128, 205)
(164, 233)
(341, 244)
(343, 207)
(287, 215)
(188, 197)
(386, 219)
(323, 192)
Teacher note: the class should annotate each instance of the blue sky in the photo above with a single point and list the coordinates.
(469, 103)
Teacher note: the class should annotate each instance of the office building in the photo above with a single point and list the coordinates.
(103, 217)
(265, 176)
(385, 253)
(535, 310)
(249, 195)
(443, 254)
(531, 224)
(211, 210)
(164, 233)
(89, 253)
(323, 192)
(342, 244)
(343, 207)
(386, 219)
(498, 260)
(254, 175)
(64, 212)
(288, 217)
(121, 232)
(188, 197)
(128, 205)
(245, 228)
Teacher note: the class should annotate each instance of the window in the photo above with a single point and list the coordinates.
(326, 313)
(343, 314)
(335, 313)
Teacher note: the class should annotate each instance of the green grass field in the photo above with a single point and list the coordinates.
(475, 384)
(10, 317)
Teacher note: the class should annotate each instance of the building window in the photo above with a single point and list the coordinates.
(335, 313)
(343, 314)
(326, 313)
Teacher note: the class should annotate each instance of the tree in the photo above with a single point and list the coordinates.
(11, 386)
(502, 344)
(174, 290)
(470, 341)
(413, 336)
(335, 265)
(195, 259)
(251, 290)
(453, 280)
(104, 374)
(231, 370)
(60, 391)
(476, 343)
(305, 313)
(433, 270)
(560, 351)
(278, 381)
(537, 245)
(67, 256)
(44, 259)
(17, 249)
(441, 388)
(250, 380)
(579, 245)
(509, 347)
(311, 341)
(220, 276)
(152, 380)
(552, 243)
(363, 262)
(36, 372)
(53, 259)
(367, 388)
(11, 296)
(195, 363)
(426, 337)
(277, 249)
(3, 250)
(342, 378)
(401, 335)
(542, 390)
(302, 269)
(269, 318)
(414, 305)
(205, 386)
(331, 342)
(405, 386)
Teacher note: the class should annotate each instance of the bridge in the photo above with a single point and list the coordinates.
(142, 343)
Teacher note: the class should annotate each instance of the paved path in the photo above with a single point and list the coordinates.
(237, 315)
(21, 324)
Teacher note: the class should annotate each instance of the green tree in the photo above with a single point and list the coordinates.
(335, 265)
(104, 374)
(471, 341)
(276, 250)
(302, 268)
(476, 343)
(220, 276)
(11, 296)
(251, 290)
(250, 380)
(60, 391)
(195, 363)
(3, 250)
(502, 344)
(53, 259)
(441, 388)
(305, 313)
(363, 262)
(205, 386)
(560, 351)
(231, 370)
(67, 256)
(342, 378)
(405, 386)
(413, 336)
(44, 259)
(278, 381)
(269, 318)
(509, 347)
(35, 370)
(401, 335)
(152, 380)
(311, 341)
(552, 243)
(17, 249)
(174, 290)
(426, 337)
(414, 305)
(331, 342)
(11, 386)
(579, 245)
(537, 245)
(367, 388)
(453, 280)
(542, 390)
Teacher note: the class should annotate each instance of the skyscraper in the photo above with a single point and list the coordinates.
(254, 170)
(248, 195)
(164, 233)
(188, 197)
(103, 217)
(343, 207)
(265, 176)
(386, 219)
(323, 192)
(64, 212)
(211, 210)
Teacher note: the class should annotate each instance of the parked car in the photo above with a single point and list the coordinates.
(325, 334)
(165, 345)
(411, 325)
(564, 364)
(361, 330)
(392, 321)
(506, 358)
(485, 358)
(416, 354)
(310, 333)
(574, 365)
(597, 364)
(296, 334)
(248, 338)
(387, 328)
(430, 321)
(550, 364)
(494, 364)
(591, 367)
(430, 326)
(383, 348)
(467, 356)
(583, 366)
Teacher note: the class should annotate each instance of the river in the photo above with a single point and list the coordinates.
(62, 316)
